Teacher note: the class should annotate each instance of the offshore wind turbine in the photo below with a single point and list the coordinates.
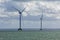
(41, 20)
(45, 10)
(20, 14)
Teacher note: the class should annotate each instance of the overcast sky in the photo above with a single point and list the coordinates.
(50, 9)
(33, 11)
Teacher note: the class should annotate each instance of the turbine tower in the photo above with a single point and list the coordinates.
(20, 14)
(41, 21)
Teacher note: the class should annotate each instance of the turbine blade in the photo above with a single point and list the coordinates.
(42, 15)
(16, 9)
(23, 9)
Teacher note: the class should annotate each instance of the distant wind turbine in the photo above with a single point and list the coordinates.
(20, 14)
(41, 21)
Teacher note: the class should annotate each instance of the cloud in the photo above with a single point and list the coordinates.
(3, 1)
(3, 15)
(34, 0)
(12, 13)
(49, 9)
(25, 0)
(52, 5)
(24, 14)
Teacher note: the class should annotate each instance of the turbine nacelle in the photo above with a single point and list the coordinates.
(20, 12)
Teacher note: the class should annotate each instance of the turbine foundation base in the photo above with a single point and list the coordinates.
(20, 29)
(40, 29)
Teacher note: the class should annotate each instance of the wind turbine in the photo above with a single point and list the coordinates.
(41, 21)
(20, 14)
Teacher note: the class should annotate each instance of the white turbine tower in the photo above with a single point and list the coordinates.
(20, 14)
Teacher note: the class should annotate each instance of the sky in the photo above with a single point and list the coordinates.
(9, 17)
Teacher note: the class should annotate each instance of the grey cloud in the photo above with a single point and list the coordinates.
(9, 6)
(30, 18)
(45, 9)
(34, 0)
(37, 18)
(25, 0)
